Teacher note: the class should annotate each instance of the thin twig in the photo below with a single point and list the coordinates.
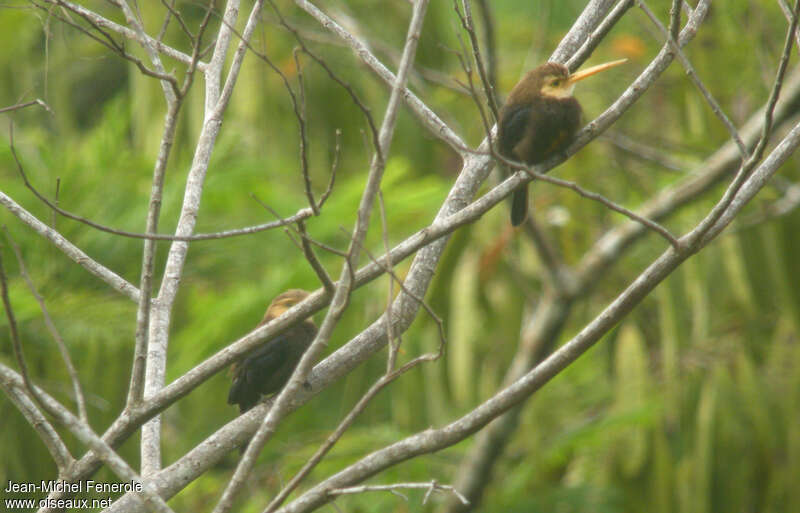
(671, 36)
(238, 232)
(488, 86)
(470, 85)
(334, 167)
(50, 437)
(80, 400)
(172, 12)
(19, 106)
(71, 251)
(312, 259)
(394, 342)
(696, 236)
(593, 196)
(585, 51)
(490, 41)
(127, 33)
(431, 486)
(342, 295)
(16, 345)
(645, 151)
(346, 422)
(301, 120)
(324, 65)
(787, 12)
(311, 240)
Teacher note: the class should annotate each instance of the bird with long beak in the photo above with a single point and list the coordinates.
(267, 369)
(540, 118)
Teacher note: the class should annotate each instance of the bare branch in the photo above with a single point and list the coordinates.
(585, 51)
(216, 103)
(645, 151)
(334, 166)
(394, 342)
(341, 296)
(347, 87)
(488, 86)
(20, 106)
(99, 21)
(588, 20)
(70, 250)
(430, 487)
(490, 42)
(722, 208)
(80, 400)
(55, 446)
(427, 117)
(143, 490)
(593, 196)
(432, 440)
(308, 251)
(136, 387)
(360, 406)
(671, 36)
(168, 82)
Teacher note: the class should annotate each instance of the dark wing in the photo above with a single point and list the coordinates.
(259, 373)
(556, 123)
(511, 129)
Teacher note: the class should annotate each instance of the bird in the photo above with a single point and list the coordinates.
(269, 367)
(539, 119)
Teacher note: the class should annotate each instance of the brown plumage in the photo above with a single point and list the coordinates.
(540, 118)
(269, 367)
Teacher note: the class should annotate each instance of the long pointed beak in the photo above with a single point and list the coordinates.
(588, 72)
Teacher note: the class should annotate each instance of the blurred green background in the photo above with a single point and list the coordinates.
(691, 404)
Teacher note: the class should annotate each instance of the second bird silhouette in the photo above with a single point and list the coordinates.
(270, 366)
(540, 118)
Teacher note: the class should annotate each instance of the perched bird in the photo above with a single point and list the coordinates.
(539, 119)
(270, 366)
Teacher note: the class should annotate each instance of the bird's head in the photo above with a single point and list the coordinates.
(284, 302)
(554, 80)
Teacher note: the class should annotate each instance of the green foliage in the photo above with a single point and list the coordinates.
(693, 404)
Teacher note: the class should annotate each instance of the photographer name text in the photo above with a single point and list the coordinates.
(57, 486)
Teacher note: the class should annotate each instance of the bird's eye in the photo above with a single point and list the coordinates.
(555, 82)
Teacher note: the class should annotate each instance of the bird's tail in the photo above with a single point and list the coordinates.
(519, 205)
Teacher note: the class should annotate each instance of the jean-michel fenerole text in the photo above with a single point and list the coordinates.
(58, 486)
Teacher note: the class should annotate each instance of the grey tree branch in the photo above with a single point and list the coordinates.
(142, 39)
(546, 324)
(585, 51)
(435, 439)
(77, 391)
(712, 102)
(432, 239)
(71, 251)
(216, 102)
(20, 106)
(430, 487)
(426, 116)
(341, 296)
(373, 338)
(55, 446)
(145, 491)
